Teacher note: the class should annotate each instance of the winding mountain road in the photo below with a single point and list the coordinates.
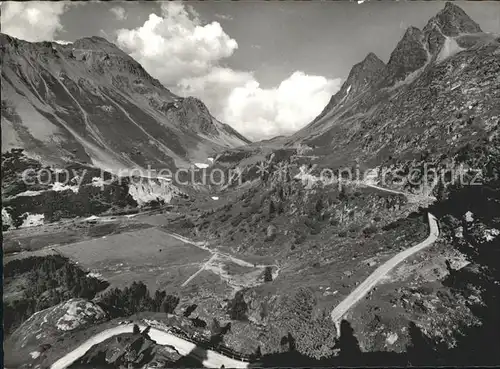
(382, 270)
(209, 358)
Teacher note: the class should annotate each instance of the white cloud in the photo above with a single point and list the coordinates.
(176, 44)
(214, 87)
(32, 21)
(185, 55)
(236, 98)
(263, 113)
(119, 12)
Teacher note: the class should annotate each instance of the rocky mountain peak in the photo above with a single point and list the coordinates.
(411, 33)
(98, 44)
(409, 55)
(371, 63)
(193, 115)
(362, 77)
(451, 21)
(93, 39)
(363, 74)
(372, 58)
(195, 104)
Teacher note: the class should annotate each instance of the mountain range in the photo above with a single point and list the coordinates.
(438, 92)
(92, 103)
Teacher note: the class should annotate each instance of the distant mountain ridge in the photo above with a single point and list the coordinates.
(91, 102)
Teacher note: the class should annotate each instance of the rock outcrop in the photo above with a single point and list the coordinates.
(49, 323)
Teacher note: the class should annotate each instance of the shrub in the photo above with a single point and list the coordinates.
(187, 223)
(393, 225)
(272, 209)
(298, 238)
(236, 221)
(215, 328)
(169, 304)
(198, 323)
(268, 274)
(270, 233)
(314, 226)
(353, 228)
(238, 307)
(370, 230)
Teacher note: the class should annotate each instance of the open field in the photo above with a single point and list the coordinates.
(66, 232)
(148, 255)
(123, 250)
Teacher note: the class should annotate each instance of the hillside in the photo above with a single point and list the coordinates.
(89, 101)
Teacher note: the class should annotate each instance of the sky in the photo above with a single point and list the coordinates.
(266, 68)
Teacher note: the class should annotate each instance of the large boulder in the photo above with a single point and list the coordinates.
(47, 324)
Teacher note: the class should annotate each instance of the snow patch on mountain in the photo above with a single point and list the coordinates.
(91, 218)
(58, 186)
(450, 47)
(94, 275)
(30, 193)
(201, 165)
(33, 220)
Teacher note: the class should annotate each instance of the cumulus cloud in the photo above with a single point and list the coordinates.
(236, 98)
(32, 21)
(186, 56)
(263, 113)
(119, 12)
(214, 87)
